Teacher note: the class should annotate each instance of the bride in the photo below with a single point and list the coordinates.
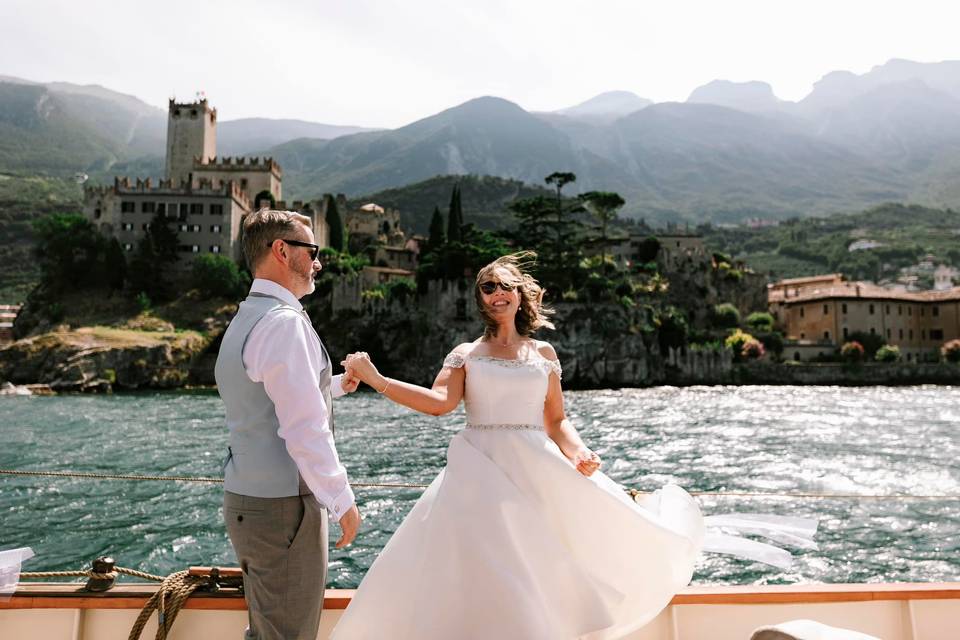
(520, 536)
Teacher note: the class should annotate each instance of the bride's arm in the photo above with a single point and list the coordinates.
(559, 428)
(443, 397)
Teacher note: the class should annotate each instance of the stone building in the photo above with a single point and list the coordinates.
(205, 198)
(818, 315)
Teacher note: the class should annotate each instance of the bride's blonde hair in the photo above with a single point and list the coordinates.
(532, 313)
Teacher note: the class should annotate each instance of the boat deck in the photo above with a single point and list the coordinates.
(889, 611)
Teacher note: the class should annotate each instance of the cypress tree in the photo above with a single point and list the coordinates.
(437, 237)
(335, 223)
(455, 216)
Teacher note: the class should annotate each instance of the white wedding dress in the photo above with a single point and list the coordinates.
(511, 542)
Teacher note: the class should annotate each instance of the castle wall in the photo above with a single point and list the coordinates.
(252, 174)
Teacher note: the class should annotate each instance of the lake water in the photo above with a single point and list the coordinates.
(873, 440)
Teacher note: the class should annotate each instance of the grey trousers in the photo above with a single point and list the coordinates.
(281, 544)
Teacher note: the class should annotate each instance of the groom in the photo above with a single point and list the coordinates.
(282, 474)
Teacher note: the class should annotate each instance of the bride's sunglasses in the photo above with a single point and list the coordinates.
(490, 286)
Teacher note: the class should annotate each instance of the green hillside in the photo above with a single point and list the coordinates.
(800, 247)
(485, 200)
(23, 200)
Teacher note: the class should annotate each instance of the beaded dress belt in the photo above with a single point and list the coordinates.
(505, 427)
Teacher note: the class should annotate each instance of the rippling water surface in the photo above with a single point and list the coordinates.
(774, 439)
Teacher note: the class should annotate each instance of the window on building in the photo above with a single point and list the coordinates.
(196, 208)
(128, 226)
(182, 227)
(936, 334)
(96, 214)
(145, 226)
(796, 356)
(909, 311)
(195, 249)
(826, 335)
(844, 307)
(935, 311)
(899, 309)
(871, 309)
(846, 333)
(216, 209)
(128, 247)
(909, 357)
(127, 206)
(922, 311)
(923, 334)
(195, 227)
(171, 210)
(147, 207)
(826, 309)
(887, 310)
(243, 183)
(901, 334)
(162, 207)
(214, 228)
(911, 334)
(888, 334)
(214, 248)
(801, 312)
(873, 331)
(803, 336)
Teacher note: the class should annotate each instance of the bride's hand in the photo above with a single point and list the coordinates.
(586, 461)
(359, 365)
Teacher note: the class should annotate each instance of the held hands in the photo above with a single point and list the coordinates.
(586, 461)
(359, 365)
(349, 383)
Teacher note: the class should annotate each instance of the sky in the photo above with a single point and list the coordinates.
(388, 63)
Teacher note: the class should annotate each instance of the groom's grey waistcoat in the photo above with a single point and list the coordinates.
(257, 463)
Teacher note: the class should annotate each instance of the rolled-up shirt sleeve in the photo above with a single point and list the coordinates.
(282, 355)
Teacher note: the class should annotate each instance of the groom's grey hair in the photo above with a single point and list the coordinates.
(260, 229)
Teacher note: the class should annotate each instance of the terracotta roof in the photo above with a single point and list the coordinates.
(865, 291)
(807, 279)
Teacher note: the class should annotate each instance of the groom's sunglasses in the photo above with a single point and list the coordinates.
(314, 248)
(490, 286)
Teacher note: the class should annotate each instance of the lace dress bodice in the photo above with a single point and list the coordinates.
(504, 394)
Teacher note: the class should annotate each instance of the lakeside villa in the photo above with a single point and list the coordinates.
(819, 313)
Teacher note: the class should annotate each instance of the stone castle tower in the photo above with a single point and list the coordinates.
(191, 134)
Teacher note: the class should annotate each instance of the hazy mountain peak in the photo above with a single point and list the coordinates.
(607, 105)
(752, 96)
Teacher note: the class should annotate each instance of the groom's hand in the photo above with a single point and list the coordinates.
(349, 383)
(349, 525)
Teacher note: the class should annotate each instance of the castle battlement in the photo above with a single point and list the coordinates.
(229, 163)
(177, 108)
(203, 187)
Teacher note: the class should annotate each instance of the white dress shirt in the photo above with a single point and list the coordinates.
(283, 352)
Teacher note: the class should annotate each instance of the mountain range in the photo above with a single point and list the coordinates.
(731, 151)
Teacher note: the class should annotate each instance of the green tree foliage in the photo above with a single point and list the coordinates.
(648, 249)
(604, 205)
(673, 328)
(437, 236)
(218, 276)
(455, 216)
(870, 342)
(265, 195)
(725, 316)
(888, 353)
(72, 254)
(151, 268)
(760, 321)
(335, 222)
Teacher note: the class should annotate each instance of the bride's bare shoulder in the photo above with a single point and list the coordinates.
(546, 350)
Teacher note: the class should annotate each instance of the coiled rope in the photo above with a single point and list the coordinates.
(403, 485)
(171, 595)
